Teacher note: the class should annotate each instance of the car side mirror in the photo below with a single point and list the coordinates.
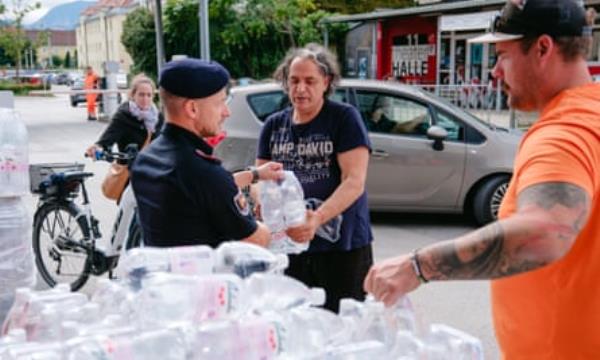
(438, 134)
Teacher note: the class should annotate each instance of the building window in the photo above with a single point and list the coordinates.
(595, 51)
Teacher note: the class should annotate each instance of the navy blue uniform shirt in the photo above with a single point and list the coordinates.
(185, 196)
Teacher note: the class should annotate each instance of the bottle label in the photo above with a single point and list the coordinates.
(191, 262)
(214, 299)
(264, 340)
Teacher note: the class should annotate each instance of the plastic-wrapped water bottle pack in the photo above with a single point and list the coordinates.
(16, 255)
(282, 206)
(233, 303)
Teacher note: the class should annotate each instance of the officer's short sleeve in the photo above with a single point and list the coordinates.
(264, 140)
(351, 131)
(228, 209)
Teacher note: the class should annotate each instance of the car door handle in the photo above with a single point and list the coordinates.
(380, 154)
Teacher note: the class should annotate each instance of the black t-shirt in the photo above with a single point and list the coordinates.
(310, 150)
(185, 196)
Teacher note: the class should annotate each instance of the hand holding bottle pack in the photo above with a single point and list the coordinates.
(282, 207)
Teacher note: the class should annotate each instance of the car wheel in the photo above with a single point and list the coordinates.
(73, 103)
(488, 199)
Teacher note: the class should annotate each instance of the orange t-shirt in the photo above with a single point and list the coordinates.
(554, 312)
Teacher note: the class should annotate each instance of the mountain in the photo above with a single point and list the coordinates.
(61, 17)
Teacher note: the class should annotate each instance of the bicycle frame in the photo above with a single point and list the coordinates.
(103, 258)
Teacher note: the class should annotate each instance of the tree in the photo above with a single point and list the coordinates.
(67, 60)
(139, 41)
(249, 37)
(57, 61)
(13, 39)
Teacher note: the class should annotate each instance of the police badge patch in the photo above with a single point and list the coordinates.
(241, 204)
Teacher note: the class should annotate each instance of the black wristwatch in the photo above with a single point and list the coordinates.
(255, 175)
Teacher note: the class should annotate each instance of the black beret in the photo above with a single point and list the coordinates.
(193, 78)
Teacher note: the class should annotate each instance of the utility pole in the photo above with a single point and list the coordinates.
(160, 47)
(204, 35)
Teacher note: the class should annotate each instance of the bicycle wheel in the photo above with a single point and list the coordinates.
(58, 235)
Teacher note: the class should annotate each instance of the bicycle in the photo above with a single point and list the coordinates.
(65, 235)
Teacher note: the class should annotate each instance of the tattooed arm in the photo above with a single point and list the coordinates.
(548, 219)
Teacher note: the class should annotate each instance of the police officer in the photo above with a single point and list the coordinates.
(184, 195)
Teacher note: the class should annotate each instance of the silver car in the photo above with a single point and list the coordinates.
(427, 154)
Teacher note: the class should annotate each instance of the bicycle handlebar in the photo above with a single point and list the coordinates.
(110, 156)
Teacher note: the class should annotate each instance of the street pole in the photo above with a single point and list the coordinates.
(160, 47)
(204, 35)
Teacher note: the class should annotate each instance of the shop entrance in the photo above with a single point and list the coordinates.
(464, 63)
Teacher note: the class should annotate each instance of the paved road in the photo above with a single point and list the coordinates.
(60, 133)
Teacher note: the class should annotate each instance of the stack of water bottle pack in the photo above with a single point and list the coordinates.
(16, 256)
(195, 303)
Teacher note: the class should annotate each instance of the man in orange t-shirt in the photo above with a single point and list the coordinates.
(90, 83)
(544, 252)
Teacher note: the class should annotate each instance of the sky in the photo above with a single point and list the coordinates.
(36, 14)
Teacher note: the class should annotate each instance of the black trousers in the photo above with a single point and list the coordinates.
(340, 273)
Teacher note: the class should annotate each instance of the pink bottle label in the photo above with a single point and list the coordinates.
(214, 299)
(261, 339)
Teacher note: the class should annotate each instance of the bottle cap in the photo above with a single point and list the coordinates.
(317, 297)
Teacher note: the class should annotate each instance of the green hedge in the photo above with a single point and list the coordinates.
(19, 89)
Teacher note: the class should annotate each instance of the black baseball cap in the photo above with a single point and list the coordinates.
(521, 18)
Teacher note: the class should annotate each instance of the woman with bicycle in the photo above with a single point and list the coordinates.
(135, 122)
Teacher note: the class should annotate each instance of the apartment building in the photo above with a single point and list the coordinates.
(99, 34)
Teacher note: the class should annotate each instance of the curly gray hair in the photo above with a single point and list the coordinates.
(323, 58)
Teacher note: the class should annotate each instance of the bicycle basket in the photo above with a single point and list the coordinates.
(38, 173)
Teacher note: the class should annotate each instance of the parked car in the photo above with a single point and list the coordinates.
(80, 97)
(440, 159)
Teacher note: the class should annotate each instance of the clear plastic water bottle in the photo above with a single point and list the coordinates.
(163, 344)
(170, 298)
(113, 297)
(188, 260)
(23, 296)
(273, 211)
(445, 342)
(244, 259)
(32, 351)
(267, 292)
(355, 351)
(294, 210)
(36, 321)
(371, 320)
(292, 335)
(14, 155)
(249, 338)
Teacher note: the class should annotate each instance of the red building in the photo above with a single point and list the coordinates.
(427, 44)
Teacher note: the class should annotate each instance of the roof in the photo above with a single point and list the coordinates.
(103, 5)
(57, 37)
(440, 8)
(419, 10)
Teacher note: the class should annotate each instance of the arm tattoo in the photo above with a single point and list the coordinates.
(550, 195)
(514, 245)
